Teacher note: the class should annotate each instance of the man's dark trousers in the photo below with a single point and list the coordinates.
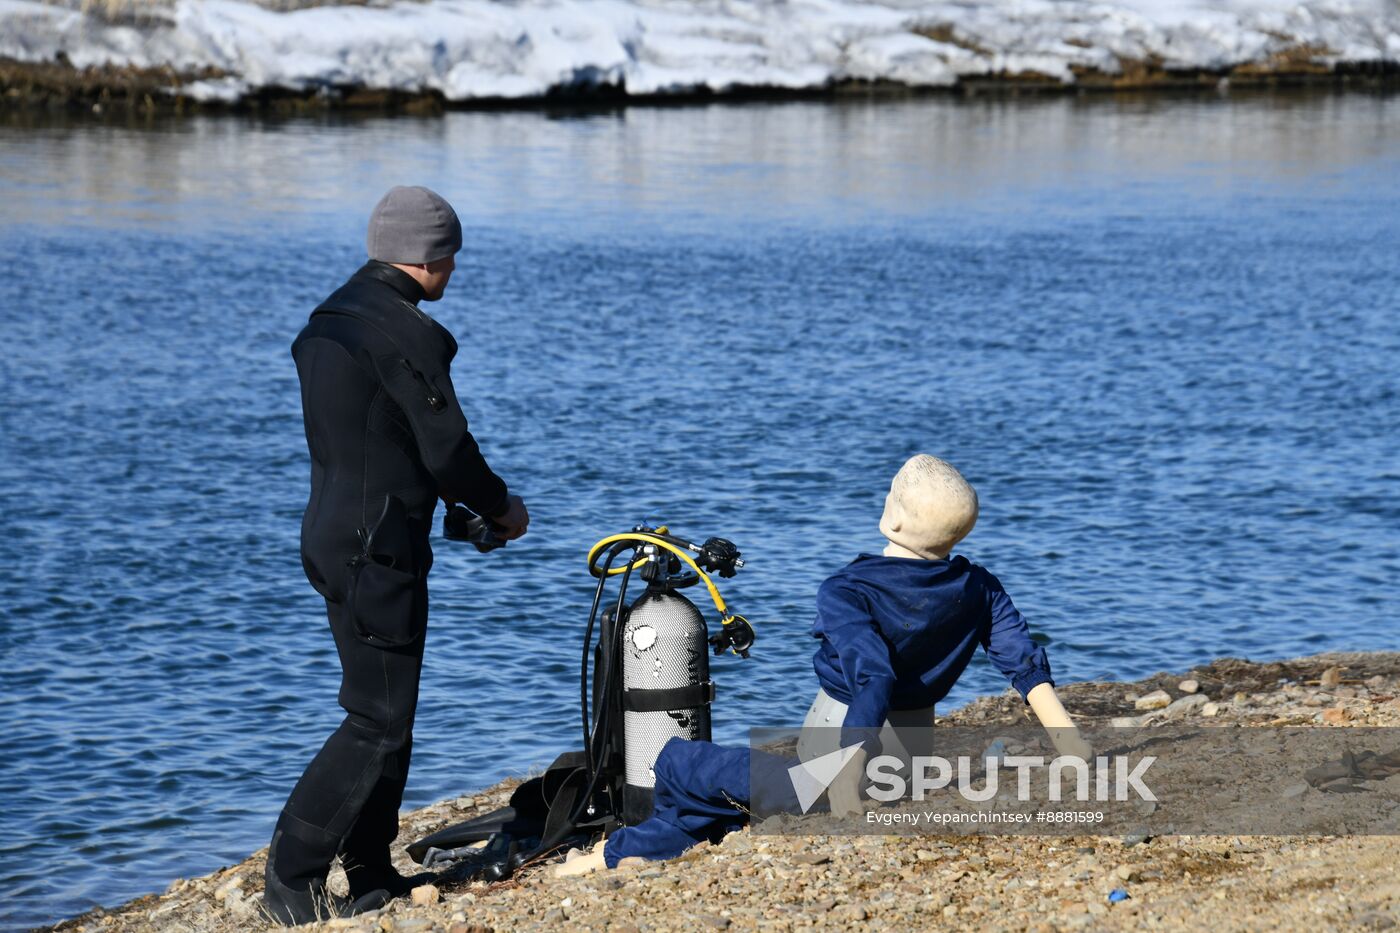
(347, 801)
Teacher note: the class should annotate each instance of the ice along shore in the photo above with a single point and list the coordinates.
(299, 54)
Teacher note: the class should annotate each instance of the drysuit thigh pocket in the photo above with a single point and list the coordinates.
(384, 604)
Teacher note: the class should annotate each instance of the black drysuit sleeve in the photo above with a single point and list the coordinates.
(449, 451)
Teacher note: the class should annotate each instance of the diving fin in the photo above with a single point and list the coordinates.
(529, 811)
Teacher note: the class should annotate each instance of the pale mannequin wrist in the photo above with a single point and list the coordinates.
(1052, 715)
(843, 794)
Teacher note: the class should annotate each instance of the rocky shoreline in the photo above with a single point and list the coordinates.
(930, 882)
(60, 86)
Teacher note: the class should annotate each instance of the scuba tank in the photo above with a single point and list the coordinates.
(643, 681)
(666, 689)
(658, 648)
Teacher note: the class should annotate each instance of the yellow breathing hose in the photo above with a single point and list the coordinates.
(634, 565)
(726, 617)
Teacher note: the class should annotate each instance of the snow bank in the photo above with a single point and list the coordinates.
(471, 49)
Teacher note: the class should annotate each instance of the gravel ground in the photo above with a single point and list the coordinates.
(926, 882)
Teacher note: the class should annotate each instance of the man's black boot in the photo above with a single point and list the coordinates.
(365, 878)
(294, 906)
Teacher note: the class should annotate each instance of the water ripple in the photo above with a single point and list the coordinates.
(1166, 361)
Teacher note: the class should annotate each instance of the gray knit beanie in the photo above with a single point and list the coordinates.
(413, 225)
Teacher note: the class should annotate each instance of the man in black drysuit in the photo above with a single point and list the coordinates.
(387, 440)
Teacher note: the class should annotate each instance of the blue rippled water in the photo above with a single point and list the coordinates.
(1160, 336)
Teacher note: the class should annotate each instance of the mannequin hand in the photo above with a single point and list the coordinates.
(1068, 742)
(1051, 713)
(844, 792)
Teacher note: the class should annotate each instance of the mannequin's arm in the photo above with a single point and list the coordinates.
(844, 793)
(1051, 713)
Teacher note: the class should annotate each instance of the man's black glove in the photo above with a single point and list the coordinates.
(460, 523)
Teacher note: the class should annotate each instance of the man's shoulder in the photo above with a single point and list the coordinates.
(350, 330)
(373, 314)
(360, 294)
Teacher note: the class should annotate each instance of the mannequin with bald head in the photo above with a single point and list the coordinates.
(928, 510)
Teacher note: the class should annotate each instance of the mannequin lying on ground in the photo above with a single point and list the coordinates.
(896, 631)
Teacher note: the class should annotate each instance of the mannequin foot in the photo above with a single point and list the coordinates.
(579, 862)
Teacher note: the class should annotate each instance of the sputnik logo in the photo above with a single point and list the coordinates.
(810, 779)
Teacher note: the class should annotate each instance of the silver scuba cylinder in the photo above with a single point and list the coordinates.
(666, 688)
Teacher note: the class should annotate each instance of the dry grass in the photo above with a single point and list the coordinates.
(118, 11)
(947, 34)
(1300, 58)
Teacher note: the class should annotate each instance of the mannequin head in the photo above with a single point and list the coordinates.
(929, 509)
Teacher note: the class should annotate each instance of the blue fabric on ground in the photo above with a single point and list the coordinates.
(702, 793)
(896, 633)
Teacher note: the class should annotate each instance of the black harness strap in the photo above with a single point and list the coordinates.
(661, 701)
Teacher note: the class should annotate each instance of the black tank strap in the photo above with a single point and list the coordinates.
(660, 701)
